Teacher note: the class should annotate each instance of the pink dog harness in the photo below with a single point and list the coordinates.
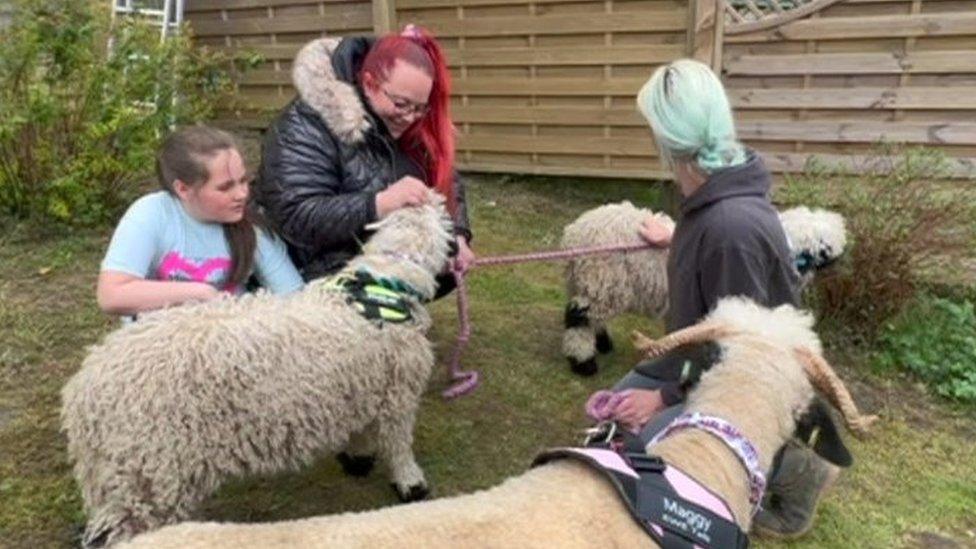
(673, 508)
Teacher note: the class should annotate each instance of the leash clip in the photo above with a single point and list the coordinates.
(601, 433)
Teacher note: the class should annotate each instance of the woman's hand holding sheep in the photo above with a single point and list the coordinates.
(637, 407)
(465, 256)
(407, 191)
(656, 233)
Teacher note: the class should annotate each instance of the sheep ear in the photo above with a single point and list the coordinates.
(816, 429)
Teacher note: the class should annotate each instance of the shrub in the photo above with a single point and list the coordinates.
(936, 341)
(79, 121)
(903, 221)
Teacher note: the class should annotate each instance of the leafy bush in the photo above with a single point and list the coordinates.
(79, 120)
(903, 221)
(935, 340)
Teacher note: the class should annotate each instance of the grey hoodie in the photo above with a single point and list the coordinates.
(728, 242)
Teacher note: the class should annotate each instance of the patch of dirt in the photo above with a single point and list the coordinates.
(932, 540)
(900, 398)
(6, 416)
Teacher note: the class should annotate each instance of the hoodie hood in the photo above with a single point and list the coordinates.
(750, 178)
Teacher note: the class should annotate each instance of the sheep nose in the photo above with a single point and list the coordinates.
(452, 248)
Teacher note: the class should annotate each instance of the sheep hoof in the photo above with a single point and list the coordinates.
(356, 466)
(586, 368)
(603, 342)
(416, 492)
(95, 540)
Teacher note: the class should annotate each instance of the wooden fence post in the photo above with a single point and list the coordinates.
(384, 16)
(706, 20)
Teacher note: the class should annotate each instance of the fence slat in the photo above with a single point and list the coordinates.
(570, 144)
(628, 117)
(554, 86)
(958, 168)
(553, 24)
(500, 57)
(886, 26)
(567, 87)
(338, 21)
(960, 133)
(654, 172)
(199, 6)
(428, 4)
(936, 62)
(959, 98)
(599, 55)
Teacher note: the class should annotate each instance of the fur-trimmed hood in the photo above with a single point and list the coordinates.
(324, 76)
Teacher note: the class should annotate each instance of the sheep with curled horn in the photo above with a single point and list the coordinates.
(767, 383)
(165, 409)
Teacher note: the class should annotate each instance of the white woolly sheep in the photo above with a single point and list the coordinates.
(774, 353)
(602, 287)
(165, 409)
(817, 238)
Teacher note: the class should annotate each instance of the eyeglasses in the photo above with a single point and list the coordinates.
(405, 106)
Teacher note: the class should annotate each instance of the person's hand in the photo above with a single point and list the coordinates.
(465, 256)
(655, 233)
(407, 191)
(637, 407)
(201, 291)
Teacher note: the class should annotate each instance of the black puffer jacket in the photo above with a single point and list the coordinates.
(326, 157)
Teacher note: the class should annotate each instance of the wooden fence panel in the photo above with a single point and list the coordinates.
(540, 86)
(548, 86)
(275, 29)
(853, 73)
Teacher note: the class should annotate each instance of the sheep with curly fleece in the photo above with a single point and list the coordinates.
(601, 288)
(817, 238)
(765, 384)
(165, 409)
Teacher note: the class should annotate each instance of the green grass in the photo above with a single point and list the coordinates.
(913, 481)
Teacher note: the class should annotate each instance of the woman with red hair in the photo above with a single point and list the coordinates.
(369, 132)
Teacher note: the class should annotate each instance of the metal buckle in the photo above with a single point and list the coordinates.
(604, 430)
(644, 462)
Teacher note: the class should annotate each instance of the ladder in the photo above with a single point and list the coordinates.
(168, 17)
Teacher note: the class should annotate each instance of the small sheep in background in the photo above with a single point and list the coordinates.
(817, 238)
(564, 504)
(601, 288)
(166, 409)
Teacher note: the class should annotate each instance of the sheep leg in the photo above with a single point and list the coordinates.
(359, 456)
(604, 344)
(580, 339)
(395, 445)
(112, 523)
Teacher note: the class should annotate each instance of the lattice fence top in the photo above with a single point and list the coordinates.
(752, 15)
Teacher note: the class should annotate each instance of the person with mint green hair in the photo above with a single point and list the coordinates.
(728, 241)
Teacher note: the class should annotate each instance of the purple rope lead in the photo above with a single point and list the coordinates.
(465, 381)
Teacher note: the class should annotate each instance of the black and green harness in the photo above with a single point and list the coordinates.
(379, 299)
